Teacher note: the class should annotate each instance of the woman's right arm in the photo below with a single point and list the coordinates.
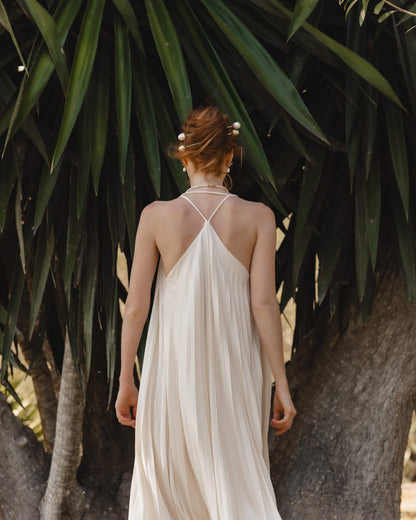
(137, 307)
(266, 313)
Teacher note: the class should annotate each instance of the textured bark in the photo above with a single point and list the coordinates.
(44, 390)
(23, 467)
(41, 368)
(62, 491)
(354, 393)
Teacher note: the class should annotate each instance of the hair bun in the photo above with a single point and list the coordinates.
(207, 137)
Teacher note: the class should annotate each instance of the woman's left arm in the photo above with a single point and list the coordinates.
(136, 311)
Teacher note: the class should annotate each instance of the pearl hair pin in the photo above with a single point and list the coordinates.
(235, 128)
(181, 137)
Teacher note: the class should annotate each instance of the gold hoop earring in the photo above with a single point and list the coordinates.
(228, 183)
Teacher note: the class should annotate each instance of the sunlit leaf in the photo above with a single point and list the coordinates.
(220, 87)
(303, 9)
(358, 64)
(99, 118)
(123, 85)
(84, 150)
(312, 175)
(129, 197)
(166, 133)
(385, 15)
(42, 67)
(264, 67)
(80, 72)
(46, 185)
(170, 53)
(8, 176)
(42, 262)
(19, 222)
(89, 288)
(5, 22)
(127, 13)
(47, 27)
(143, 102)
(378, 7)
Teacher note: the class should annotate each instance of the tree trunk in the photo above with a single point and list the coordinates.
(354, 393)
(44, 390)
(23, 467)
(62, 491)
(42, 366)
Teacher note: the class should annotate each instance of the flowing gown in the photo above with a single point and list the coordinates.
(202, 419)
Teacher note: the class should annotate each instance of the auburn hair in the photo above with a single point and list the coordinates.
(208, 139)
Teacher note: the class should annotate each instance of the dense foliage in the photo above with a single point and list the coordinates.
(92, 94)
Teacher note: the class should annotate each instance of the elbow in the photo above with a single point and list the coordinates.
(136, 311)
(265, 305)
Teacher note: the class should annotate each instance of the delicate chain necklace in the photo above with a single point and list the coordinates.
(207, 186)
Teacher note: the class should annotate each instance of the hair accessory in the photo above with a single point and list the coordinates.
(235, 128)
(181, 147)
(181, 137)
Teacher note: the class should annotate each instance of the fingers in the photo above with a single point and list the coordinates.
(126, 415)
(282, 425)
(125, 418)
(126, 406)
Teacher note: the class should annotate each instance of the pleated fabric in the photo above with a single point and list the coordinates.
(202, 417)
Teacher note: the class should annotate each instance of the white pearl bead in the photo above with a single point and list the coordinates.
(181, 148)
(181, 137)
(236, 125)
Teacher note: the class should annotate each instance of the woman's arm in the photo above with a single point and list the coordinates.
(267, 314)
(136, 311)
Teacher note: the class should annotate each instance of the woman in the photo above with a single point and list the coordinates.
(202, 412)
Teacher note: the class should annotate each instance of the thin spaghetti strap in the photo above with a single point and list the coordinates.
(215, 210)
(190, 201)
(219, 205)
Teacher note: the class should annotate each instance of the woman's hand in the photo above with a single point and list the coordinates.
(126, 404)
(282, 402)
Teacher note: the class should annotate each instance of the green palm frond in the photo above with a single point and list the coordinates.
(85, 134)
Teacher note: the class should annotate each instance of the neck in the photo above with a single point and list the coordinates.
(205, 178)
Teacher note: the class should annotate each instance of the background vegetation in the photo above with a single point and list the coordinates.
(92, 94)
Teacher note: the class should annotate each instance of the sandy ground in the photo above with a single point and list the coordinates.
(408, 500)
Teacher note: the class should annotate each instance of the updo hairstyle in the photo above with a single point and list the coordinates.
(208, 139)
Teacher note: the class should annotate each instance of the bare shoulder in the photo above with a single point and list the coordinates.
(157, 214)
(157, 209)
(258, 212)
(266, 214)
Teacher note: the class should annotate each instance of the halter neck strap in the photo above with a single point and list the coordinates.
(215, 210)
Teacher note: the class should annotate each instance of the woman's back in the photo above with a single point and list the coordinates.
(177, 224)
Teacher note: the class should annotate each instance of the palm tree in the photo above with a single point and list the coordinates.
(92, 94)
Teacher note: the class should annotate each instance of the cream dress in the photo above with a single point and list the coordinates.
(204, 400)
